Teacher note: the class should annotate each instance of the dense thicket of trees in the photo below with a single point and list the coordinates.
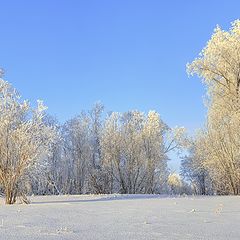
(119, 153)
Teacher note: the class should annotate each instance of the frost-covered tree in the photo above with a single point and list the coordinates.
(219, 149)
(193, 168)
(77, 153)
(175, 183)
(219, 67)
(24, 139)
(134, 151)
(47, 175)
(99, 180)
(81, 155)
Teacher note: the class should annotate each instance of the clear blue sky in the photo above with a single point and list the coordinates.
(128, 54)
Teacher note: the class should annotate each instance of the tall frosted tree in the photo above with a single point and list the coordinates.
(24, 139)
(219, 66)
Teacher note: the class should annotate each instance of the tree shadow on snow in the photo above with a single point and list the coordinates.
(100, 199)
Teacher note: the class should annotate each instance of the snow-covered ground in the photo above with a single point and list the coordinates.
(122, 217)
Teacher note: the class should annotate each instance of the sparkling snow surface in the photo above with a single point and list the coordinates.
(122, 217)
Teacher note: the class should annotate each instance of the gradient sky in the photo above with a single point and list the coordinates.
(127, 54)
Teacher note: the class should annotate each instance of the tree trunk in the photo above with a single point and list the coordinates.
(10, 194)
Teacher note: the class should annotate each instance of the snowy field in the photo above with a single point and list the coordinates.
(122, 217)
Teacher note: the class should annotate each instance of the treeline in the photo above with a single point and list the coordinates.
(117, 153)
(127, 152)
(91, 153)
